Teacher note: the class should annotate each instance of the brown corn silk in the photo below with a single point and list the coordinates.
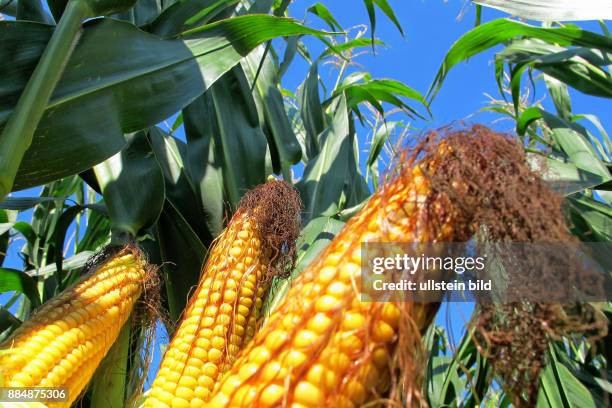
(223, 313)
(62, 344)
(322, 346)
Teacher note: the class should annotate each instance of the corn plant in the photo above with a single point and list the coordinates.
(137, 133)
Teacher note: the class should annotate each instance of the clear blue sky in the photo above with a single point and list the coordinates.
(431, 26)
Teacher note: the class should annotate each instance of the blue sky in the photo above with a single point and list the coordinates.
(431, 26)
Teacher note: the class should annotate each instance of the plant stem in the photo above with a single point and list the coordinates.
(19, 131)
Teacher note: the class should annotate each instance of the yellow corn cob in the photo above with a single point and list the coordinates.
(64, 342)
(223, 312)
(322, 347)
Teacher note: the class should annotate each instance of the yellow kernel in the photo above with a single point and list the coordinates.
(259, 355)
(337, 361)
(271, 395)
(184, 393)
(319, 323)
(319, 375)
(353, 321)
(390, 314)
(215, 355)
(326, 274)
(350, 271)
(230, 384)
(305, 339)
(333, 259)
(210, 370)
(201, 392)
(199, 353)
(194, 362)
(203, 343)
(218, 342)
(179, 403)
(337, 289)
(189, 380)
(273, 370)
(382, 332)
(350, 344)
(243, 310)
(294, 359)
(247, 371)
(308, 394)
(356, 392)
(244, 395)
(206, 382)
(326, 303)
(276, 339)
(380, 357)
(197, 403)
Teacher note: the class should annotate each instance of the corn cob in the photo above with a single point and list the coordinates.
(223, 312)
(322, 347)
(64, 342)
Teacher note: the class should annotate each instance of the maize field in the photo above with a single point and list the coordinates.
(199, 197)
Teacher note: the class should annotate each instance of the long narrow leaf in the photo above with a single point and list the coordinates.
(553, 10)
(118, 80)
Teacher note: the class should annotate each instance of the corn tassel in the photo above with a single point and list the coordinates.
(222, 314)
(322, 347)
(62, 344)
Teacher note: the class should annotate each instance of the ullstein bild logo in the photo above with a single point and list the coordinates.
(497, 272)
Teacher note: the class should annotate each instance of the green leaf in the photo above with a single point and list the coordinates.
(109, 381)
(499, 31)
(8, 7)
(314, 238)
(143, 12)
(183, 256)
(381, 136)
(12, 280)
(553, 10)
(32, 10)
(377, 91)
(8, 323)
(321, 11)
(181, 188)
(269, 101)
(133, 186)
(183, 15)
(574, 143)
(560, 388)
(311, 111)
(604, 135)
(119, 79)
(387, 9)
(560, 97)
(347, 46)
(76, 261)
(594, 222)
(238, 135)
(25, 203)
(96, 235)
(563, 177)
(204, 161)
(6, 223)
(326, 174)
